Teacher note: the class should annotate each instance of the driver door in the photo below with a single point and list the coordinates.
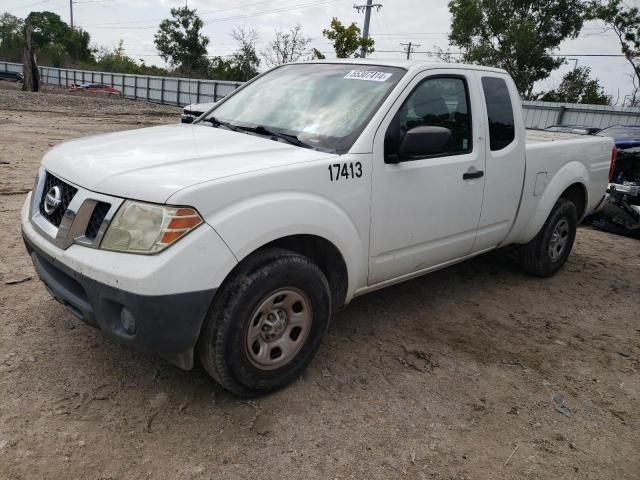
(425, 209)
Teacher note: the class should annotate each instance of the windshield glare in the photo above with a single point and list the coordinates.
(325, 105)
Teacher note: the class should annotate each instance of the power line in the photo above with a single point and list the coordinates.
(552, 55)
(200, 12)
(235, 17)
(32, 4)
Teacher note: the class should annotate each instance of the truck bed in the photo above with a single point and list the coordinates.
(542, 136)
(573, 157)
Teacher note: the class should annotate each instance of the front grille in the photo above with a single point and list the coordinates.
(97, 217)
(67, 194)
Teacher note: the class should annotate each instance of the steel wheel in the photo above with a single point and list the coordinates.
(278, 329)
(559, 240)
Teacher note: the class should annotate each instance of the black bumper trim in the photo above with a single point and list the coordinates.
(166, 325)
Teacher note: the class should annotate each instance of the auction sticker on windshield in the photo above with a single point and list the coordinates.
(368, 75)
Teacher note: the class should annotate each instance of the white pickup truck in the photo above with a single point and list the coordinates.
(233, 239)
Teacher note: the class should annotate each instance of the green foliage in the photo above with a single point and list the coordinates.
(347, 40)
(11, 37)
(625, 22)
(180, 42)
(222, 69)
(56, 42)
(245, 61)
(242, 65)
(517, 35)
(317, 55)
(577, 86)
(117, 61)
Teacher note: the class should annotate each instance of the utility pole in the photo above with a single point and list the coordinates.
(367, 20)
(410, 46)
(71, 11)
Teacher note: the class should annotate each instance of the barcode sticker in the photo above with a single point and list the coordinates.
(368, 75)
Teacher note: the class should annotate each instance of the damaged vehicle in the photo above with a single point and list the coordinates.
(195, 110)
(621, 215)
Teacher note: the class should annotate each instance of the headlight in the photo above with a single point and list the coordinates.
(146, 228)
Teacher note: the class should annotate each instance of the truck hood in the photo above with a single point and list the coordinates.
(151, 164)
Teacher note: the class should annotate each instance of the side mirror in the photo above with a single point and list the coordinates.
(187, 118)
(424, 141)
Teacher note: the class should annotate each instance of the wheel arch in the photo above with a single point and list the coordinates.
(570, 182)
(577, 194)
(304, 223)
(325, 255)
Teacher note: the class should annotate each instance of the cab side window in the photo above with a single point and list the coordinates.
(436, 102)
(502, 130)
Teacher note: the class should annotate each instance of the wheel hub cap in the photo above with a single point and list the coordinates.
(278, 328)
(559, 240)
(274, 324)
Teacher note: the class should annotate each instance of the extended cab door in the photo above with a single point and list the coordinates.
(505, 158)
(426, 203)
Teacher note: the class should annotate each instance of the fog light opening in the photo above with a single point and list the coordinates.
(128, 321)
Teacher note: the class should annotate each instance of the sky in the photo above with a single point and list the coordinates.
(423, 22)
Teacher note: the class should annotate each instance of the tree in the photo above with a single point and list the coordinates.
(577, 86)
(317, 55)
(118, 61)
(11, 37)
(30, 71)
(517, 35)
(287, 47)
(56, 42)
(625, 22)
(222, 69)
(347, 40)
(180, 42)
(245, 61)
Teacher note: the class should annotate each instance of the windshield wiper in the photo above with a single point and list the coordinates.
(220, 123)
(292, 139)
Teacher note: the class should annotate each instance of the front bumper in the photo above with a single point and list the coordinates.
(167, 325)
(156, 303)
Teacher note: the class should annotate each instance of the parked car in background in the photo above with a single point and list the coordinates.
(624, 136)
(193, 111)
(94, 88)
(11, 77)
(577, 129)
(622, 214)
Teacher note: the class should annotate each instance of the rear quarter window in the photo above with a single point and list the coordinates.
(502, 130)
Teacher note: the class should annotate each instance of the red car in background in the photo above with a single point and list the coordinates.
(94, 88)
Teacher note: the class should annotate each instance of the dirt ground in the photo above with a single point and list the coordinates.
(474, 372)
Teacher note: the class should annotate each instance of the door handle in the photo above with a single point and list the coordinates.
(470, 175)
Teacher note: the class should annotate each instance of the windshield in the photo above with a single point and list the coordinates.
(626, 133)
(326, 106)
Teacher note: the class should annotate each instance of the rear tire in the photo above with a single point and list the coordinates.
(266, 323)
(548, 251)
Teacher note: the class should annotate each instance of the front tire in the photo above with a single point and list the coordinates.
(548, 251)
(266, 323)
